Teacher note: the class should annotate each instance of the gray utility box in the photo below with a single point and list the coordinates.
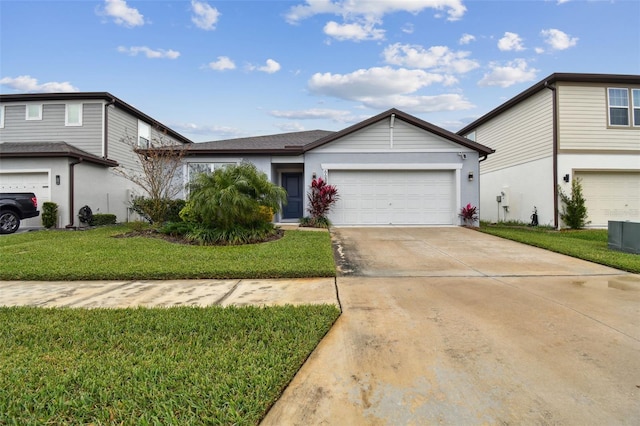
(624, 236)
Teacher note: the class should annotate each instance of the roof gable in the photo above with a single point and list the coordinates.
(439, 136)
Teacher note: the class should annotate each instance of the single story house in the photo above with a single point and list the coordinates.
(391, 169)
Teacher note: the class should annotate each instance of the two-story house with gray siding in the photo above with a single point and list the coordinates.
(566, 126)
(64, 148)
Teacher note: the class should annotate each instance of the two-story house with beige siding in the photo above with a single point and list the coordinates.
(566, 126)
(64, 148)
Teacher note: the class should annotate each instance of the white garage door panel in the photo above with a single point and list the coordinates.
(396, 197)
(36, 182)
(611, 196)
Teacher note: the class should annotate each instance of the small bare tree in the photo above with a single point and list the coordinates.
(156, 174)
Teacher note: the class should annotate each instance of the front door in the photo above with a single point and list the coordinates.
(292, 182)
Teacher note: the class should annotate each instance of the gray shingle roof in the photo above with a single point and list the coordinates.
(284, 142)
(50, 149)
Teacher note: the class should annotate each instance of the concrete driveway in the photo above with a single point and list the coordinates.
(451, 326)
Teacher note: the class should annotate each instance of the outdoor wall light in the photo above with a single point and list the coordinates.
(313, 175)
(57, 179)
(470, 176)
(566, 177)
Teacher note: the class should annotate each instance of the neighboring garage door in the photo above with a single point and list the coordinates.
(393, 197)
(36, 182)
(611, 196)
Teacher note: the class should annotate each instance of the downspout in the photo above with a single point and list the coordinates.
(105, 142)
(555, 152)
(72, 208)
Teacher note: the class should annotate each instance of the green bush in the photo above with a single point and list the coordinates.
(177, 228)
(574, 211)
(233, 196)
(49, 214)
(101, 219)
(188, 214)
(158, 211)
(315, 222)
(236, 235)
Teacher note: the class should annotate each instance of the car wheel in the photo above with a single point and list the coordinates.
(9, 222)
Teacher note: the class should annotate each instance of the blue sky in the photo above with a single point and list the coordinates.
(224, 69)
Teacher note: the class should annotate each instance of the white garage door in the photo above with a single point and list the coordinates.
(36, 182)
(393, 197)
(611, 196)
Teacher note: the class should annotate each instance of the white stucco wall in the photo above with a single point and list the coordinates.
(526, 185)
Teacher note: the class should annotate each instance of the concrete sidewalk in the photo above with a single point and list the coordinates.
(119, 294)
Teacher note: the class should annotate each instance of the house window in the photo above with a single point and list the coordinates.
(635, 94)
(618, 107)
(73, 115)
(196, 168)
(34, 112)
(144, 135)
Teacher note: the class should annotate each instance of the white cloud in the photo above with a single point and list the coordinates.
(352, 9)
(438, 58)
(270, 67)
(407, 28)
(355, 31)
(558, 40)
(445, 102)
(377, 81)
(510, 41)
(466, 38)
(290, 127)
(341, 116)
(149, 53)
(516, 71)
(385, 87)
(208, 131)
(122, 14)
(223, 63)
(563, 1)
(26, 83)
(539, 50)
(205, 17)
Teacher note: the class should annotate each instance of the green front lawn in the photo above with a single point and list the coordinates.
(96, 255)
(152, 366)
(587, 244)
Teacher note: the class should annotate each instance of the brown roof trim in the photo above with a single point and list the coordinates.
(551, 79)
(483, 150)
(50, 149)
(104, 96)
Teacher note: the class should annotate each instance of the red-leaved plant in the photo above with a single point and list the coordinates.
(321, 198)
(469, 213)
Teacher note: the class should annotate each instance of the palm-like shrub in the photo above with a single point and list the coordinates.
(236, 198)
